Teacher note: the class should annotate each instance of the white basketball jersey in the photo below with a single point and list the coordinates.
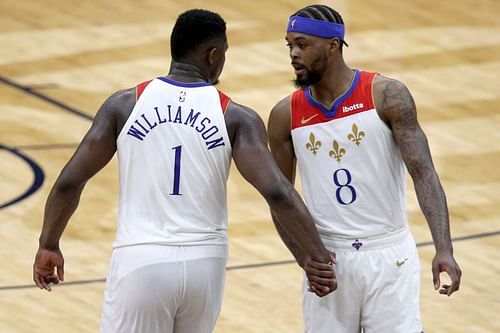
(352, 173)
(174, 156)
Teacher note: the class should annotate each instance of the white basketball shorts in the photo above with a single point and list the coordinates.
(378, 288)
(159, 288)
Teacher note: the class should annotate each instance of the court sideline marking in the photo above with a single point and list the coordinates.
(238, 267)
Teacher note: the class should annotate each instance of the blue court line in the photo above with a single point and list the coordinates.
(44, 97)
(37, 179)
(39, 176)
(238, 267)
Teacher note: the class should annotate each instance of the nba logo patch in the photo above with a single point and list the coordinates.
(182, 96)
(292, 24)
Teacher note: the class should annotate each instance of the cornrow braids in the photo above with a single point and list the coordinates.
(323, 13)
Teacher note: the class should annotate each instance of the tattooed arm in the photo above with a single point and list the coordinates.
(397, 108)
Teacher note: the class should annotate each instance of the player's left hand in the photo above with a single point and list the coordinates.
(444, 262)
(48, 268)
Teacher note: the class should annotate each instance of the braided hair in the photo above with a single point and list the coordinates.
(323, 13)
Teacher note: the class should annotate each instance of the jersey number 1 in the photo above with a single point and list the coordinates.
(177, 171)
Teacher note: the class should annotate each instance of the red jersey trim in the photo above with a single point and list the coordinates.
(303, 113)
(140, 88)
(224, 101)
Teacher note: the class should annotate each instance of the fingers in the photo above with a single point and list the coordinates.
(447, 290)
(323, 275)
(38, 281)
(321, 290)
(435, 276)
(333, 257)
(41, 282)
(319, 266)
(44, 281)
(321, 281)
(60, 271)
(52, 278)
(454, 287)
(317, 292)
(327, 273)
(455, 275)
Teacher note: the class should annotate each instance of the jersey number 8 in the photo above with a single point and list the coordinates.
(343, 186)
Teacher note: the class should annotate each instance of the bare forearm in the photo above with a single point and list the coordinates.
(297, 229)
(61, 204)
(289, 242)
(432, 201)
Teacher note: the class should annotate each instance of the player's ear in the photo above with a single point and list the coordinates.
(212, 55)
(334, 45)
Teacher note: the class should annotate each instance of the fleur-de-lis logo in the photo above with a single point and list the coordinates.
(313, 145)
(356, 136)
(357, 244)
(337, 151)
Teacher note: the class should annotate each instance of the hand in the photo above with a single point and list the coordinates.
(321, 277)
(46, 262)
(444, 262)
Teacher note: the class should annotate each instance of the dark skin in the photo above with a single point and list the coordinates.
(249, 151)
(396, 108)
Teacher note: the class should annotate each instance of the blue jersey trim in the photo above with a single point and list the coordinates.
(330, 113)
(185, 84)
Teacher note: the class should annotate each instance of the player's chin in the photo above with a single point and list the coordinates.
(300, 82)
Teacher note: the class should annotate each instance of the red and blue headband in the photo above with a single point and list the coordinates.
(318, 28)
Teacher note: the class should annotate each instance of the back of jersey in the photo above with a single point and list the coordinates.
(174, 156)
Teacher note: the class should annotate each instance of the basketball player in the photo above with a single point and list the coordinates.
(352, 133)
(175, 137)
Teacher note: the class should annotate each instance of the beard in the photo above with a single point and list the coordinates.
(311, 78)
(314, 74)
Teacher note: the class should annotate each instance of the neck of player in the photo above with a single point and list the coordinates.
(184, 72)
(335, 82)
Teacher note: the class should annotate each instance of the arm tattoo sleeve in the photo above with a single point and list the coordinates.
(399, 107)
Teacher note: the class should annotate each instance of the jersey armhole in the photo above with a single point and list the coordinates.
(224, 101)
(295, 99)
(372, 81)
(140, 88)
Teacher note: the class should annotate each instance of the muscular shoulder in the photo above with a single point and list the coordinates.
(122, 101)
(392, 98)
(241, 117)
(280, 118)
(117, 108)
(282, 108)
(241, 113)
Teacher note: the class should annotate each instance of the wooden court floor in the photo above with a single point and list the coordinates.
(60, 59)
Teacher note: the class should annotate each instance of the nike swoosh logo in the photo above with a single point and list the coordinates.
(306, 120)
(400, 263)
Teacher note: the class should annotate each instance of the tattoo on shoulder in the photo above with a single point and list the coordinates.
(399, 107)
(398, 103)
